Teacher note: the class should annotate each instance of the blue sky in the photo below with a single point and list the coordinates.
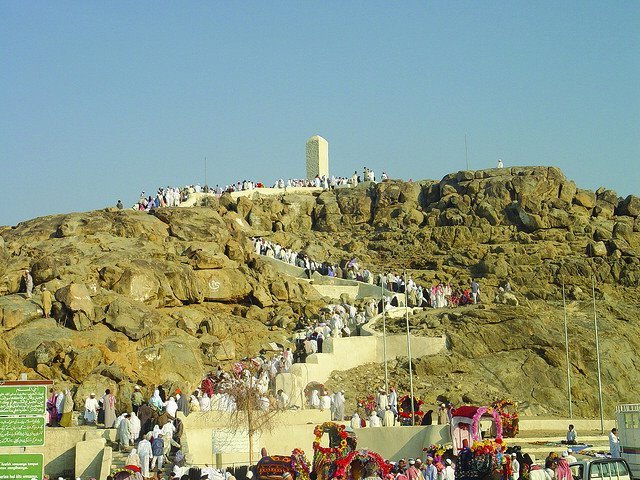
(100, 100)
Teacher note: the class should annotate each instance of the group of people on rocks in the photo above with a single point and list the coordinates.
(174, 196)
(437, 296)
(164, 197)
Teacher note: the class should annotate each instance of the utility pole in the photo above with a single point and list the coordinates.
(384, 338)
(566, 344)
(595, 321)
(406, 307)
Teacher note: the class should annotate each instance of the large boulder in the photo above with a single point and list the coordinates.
(16, 310)
(171, 361)
(141, 285)
(597, 249)
(194, 224)
(223, 285)
(84, 362)
(585, 198)
(629, 206)
(76, 298)
(134, 319)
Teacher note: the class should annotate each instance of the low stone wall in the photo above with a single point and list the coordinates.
(295, 430)
(291, 429)
(64, 445)
(195, 198)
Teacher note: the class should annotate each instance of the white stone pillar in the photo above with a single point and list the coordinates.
(317, 157)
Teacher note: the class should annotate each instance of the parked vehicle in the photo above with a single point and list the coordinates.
(628, 423)
(601, 469)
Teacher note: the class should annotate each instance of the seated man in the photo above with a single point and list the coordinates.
(572, 436)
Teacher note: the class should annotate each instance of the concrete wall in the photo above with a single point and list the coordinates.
(349, 352)
(89, 458)
(291, 429)
(295, 430)
(195, 198)
(60, 448)
(562, 425)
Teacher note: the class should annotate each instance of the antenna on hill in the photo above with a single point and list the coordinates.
(466, 151)
(205, 172)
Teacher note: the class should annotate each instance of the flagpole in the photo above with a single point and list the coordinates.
(384, 338)
(595, 321)
(406, 307)
(566, 344)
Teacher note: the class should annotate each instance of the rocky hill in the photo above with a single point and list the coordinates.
(164, 297)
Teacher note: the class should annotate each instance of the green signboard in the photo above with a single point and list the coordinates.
(21, 466)
(21, 432)
(22, 400)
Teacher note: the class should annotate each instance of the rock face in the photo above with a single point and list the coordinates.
(164, 297)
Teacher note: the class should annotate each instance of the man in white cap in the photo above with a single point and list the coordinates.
(569, 457)
(91, 409)
(449, 472)
(382, 400)
(136, 399)
(430, 472)
(374, 419)
(515, 467)
(355, 421)
(412, 472)
(388, 418)
(442, 414)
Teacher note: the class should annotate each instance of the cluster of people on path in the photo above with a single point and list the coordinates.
(348, 269)
(438, 296)
(334, 321)
(152, 426)
(384, 412)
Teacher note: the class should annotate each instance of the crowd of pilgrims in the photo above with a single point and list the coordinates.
(152, 426)
(437, 296)
(154, 430)
(174, 196)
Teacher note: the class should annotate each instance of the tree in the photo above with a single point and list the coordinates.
(256, 409)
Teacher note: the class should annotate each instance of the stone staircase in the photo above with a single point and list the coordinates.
(119, 457)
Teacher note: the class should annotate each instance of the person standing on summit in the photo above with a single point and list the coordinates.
(475, 291)
(47, 300)
(28, 283)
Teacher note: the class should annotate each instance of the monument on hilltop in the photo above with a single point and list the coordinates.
(317, 157)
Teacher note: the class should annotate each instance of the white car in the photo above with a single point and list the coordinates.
(601, 469)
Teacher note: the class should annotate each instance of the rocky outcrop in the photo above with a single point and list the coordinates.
(163, 297)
